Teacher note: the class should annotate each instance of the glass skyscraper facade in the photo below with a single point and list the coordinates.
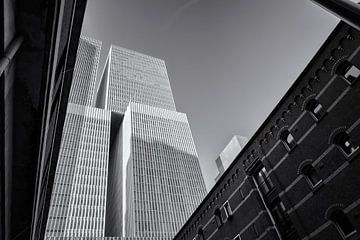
(128, 168)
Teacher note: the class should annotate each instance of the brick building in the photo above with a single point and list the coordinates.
(298, 176)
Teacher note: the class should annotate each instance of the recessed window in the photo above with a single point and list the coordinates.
(237, 237)
(349, 71)
(343, 141)
(288, 140)
(316, 109)
(218, 219)
(343, 224)
(311, 175)
(264, 182)
(200, 235)
(227, 209)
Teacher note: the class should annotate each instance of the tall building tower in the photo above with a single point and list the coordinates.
(230, 152)
(78, 201)
(130, 76)
(87, 60)
(153, 150)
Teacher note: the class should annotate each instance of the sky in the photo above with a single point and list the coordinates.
(229, 61)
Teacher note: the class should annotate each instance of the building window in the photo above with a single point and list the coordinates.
(349, 71)
(315, 108)
(237, 237)
(227, 209)
(343, 223)
(311, 175)
(288, 140)
(343, 141)
(218, 219)
(264, 182)
(200, 235)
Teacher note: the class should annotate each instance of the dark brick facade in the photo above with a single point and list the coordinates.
(298, 176)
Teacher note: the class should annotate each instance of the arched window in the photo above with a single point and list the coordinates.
(315, 108)
(343, 141)
(288, 140)
(218, 218)
(349, 71)
(311, 175)
(342, 223)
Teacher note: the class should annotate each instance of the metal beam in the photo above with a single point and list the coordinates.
(346, 10)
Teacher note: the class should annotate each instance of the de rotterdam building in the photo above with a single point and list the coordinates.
(128, 166)
(155, 151)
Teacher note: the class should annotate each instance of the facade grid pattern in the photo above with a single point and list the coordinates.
(77, 207)
(135, 77)
(167, 183)
(84, 78)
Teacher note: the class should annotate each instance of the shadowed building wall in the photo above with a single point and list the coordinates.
(297, 178)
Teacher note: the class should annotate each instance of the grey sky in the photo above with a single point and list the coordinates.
(229, 61)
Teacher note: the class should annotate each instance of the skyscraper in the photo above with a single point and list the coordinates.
(230, 152)
(86, 66)
(130, 76)
(78, 201)
(155, 152)
(128, 167)
(163, 178)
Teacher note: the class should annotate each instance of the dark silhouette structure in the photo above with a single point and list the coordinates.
(39, 41)
(298, 176)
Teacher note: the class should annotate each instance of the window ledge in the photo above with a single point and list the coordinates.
(353, 155)
(352, 236)
(318, 186)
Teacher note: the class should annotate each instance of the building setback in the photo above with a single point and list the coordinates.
(298, 176)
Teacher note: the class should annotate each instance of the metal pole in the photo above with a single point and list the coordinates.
(10, 53)
(346, 10)
(267, 209)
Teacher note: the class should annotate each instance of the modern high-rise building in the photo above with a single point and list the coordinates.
(128, 167)
(153, 150)
(78, 201)
(230, 152)
(87, 60)
(163, 180)
(130, 76)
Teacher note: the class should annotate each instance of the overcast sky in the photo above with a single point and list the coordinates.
(229, 61)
